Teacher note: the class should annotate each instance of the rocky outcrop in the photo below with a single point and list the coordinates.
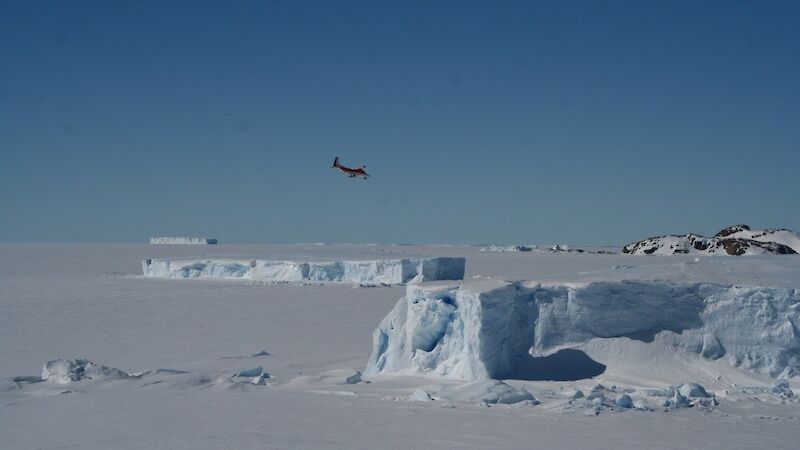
(735, 240)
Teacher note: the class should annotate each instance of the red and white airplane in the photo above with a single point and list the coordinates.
(352, 173)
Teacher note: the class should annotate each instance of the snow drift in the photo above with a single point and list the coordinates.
(735, 240)
(526, 330)
(388, 271)
(182, 240)
(486, 392)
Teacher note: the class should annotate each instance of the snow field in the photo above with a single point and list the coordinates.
(79, 301)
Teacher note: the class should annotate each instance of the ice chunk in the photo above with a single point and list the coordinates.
(781, 387)
(420, 395)
(678, 401)
(62, 371)
(261, 379)
(576, 395)
(624, 401)
(254, 372)
(712, 348)
(488, 391)
(692, 390)
(377, 272)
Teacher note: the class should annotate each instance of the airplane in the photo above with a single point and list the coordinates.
(351, 173)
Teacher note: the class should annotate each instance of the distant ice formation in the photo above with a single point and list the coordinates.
(493, 329)
(376, 272)
(508, 248)
(162, 240)
(735, 240)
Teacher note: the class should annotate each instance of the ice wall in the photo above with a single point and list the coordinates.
(496, 329)
(183, 240)
(376, 272)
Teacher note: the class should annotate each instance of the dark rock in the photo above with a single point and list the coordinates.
(732, 230)
(736, 246)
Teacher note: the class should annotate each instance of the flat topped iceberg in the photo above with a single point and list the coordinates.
(508, 248)
(374, 272)
(163, 240)
(493, 329)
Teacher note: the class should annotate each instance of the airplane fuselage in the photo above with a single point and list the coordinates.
(350, 172)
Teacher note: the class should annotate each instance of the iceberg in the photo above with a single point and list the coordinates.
(163, 240)
(375, 272)
(508, 248)
(492, 329)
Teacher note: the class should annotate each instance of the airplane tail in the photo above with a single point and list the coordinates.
(335, 162)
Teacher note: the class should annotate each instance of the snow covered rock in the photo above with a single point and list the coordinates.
(62, 371)
(493, 329)
(162, 240)
(376, 272)
(779, 236)
(735, 240)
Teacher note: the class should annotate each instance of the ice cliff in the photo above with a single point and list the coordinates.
(494, 329)
(375, 272)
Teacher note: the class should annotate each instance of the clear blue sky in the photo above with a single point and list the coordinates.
(520, 122)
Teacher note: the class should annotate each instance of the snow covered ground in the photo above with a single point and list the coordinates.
(136, 362)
